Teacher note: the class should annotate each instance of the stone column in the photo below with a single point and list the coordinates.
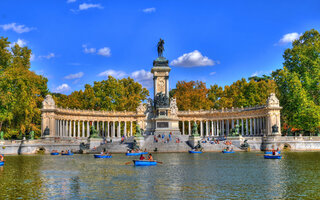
(70, 128)
(261, 126)
(201, 128)
(232, 124)
(217, 132)
(119, 129)
(212, 129)
(242, 128)
(113, 129)
(251, 133)
(125, 129)
(108, 128)
(207, 128)
(74, 128)
(228, 126)
(182, 127)
(130, 128)
(83, 132)
(222, 127)
(189, 131)
(247, 127)
(98, 127)
(254, 126)
(88, 129)
(103, 130)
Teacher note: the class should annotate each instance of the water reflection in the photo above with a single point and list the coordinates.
(181, 176)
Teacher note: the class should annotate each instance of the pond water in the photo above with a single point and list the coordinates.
(181, 176)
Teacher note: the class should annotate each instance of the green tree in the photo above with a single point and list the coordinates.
(299, 83)
(22, 91)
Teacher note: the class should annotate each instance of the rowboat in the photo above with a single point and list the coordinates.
(270, 152)
(101, 156)
(144, 162)
(227, 151)
(133, 154)
(191, 151)
(1, 163)
(54, 153)
(67, 154)
(267, 156)
(143, 153)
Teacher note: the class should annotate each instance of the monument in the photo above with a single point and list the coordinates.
(162, 116)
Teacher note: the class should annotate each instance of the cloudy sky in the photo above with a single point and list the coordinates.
(75, 42)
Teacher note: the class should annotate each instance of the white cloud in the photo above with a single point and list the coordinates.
(88, 50)
(193, 59)
(16, 28)
(49, 56)
(143, 77)
(62, 88)
(71, 1)
(149, 10)
(260, 73)
(212, 73)
(74, 76)
(32, 57)
(290, 37)
(19, 42)
(105, 51)
(86, 6)
(111, 72)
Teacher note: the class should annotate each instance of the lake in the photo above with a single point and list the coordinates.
(181, 176)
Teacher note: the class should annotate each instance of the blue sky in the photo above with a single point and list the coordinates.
(75, 42)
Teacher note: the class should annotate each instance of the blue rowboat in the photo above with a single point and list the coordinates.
(195, 151)
(67, 154)
(270, 152)
(1, 163)
(227, 151)
(144, 162)
(101, 156)
(133, 154)
(143, 153)
(54, 153)
(267, 156)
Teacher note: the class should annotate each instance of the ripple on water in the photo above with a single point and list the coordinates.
(181, 176)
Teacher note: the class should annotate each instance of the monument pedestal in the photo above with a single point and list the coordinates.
(94, 142)
(139, 140)
(193, 140)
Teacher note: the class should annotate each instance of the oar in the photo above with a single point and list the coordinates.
(127, 163)
(159, 162)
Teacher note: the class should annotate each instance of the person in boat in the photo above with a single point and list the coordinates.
(150, 158)
(145, 150)
(62, 152)
(142, 157)
(1, 157)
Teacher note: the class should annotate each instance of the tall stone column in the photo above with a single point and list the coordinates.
(189, 127)
(247, 127)
(88, 129)
(108, 128)
(67, 128)
(125, 129)
(212, 129)
(254, 126)
(201, 128)
(251, 133)
(182, 127)
(83, 129)
(98, 128)
(131, 128)
(232, 124)
(74, 128)
(228, 126)
(70, 128)
(222, 127)
(113, 129)
(207, 128)
(218, 131)
(242, 128)
(119, 129)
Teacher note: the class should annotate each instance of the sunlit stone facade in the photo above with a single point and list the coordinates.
(162, 115)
